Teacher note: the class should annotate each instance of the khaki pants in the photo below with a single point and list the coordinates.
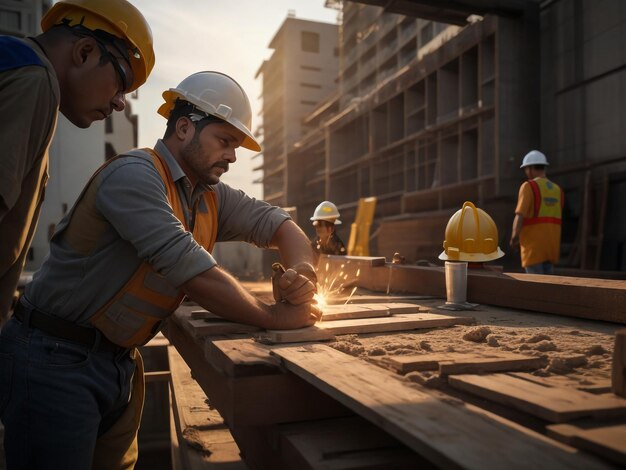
(117, 448)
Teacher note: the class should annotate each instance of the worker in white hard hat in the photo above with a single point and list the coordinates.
(137, 241)
(90, 54)
(327, 242)
(538, 214)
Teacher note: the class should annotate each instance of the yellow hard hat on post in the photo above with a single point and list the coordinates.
(471, 235)
(116, 17)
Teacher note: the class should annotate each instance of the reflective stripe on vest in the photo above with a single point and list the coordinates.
(135, 314)
(548, 202)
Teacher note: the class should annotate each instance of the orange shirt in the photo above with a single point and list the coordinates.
(538, 242)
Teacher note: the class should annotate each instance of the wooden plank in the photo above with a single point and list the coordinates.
(618, 371)
(326, 330)
(554, 404)
(463, 363)
(337, 312)
(212, 327)
(241, 358)
(605, 440)
(344, 443)
(512, 362)
(449, 433)
(383, 309)
(369, 299)
(595, 299)
(202, 435)
(345, 312)
(596, 386)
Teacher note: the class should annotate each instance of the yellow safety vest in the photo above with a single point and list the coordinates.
(548, 199)
(146, 300)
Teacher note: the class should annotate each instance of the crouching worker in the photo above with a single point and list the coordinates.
(138, 239)
(327, 242)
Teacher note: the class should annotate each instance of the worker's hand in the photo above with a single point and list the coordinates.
(514, 243)
(286, 316)
(296, 285)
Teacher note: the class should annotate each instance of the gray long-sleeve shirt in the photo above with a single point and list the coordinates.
(123, 219)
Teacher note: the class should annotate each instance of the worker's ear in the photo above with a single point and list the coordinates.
(184, 127)
(82, 49)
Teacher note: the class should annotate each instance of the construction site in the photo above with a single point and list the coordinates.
(407, 115)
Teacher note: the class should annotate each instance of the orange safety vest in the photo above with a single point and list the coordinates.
(134, 315)
(548, 199)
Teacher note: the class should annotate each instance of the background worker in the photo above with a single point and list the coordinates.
(83, 64)
(136, 241)
(537, 224)
(327, 242)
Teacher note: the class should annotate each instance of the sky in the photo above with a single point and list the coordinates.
(229, 36)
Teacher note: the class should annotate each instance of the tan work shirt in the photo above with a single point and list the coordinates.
(29, 102)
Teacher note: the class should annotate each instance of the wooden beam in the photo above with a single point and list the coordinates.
(594, 299)
(344, 443)
(253, 400)
(448, 433)
(203, 438)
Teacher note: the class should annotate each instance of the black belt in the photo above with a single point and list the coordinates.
(64, 329)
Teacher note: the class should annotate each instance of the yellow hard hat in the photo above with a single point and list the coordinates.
(216, 94)
(471, 235)
(116, 17)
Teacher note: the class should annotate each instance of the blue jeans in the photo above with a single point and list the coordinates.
(57, 397)
(540, 268)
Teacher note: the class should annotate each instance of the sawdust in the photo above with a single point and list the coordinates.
(578, 349)
(192, 437)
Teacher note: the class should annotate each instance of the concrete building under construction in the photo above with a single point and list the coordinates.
(429, 113)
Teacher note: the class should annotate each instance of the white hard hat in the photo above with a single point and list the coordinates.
(219, 95)
(534, 157)
(326, 211)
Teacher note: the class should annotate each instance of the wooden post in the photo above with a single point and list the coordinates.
(618, 379)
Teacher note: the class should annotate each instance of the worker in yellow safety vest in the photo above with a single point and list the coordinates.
(138, 239)
(538, 214)
(90, 54)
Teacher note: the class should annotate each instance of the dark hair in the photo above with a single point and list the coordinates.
(184, 108)
(326, 223)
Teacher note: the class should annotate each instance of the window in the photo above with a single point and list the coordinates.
(310, 42)
(10, 20)
(312, 69)
(310, 85)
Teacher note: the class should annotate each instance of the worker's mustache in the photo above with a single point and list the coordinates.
(223, 165)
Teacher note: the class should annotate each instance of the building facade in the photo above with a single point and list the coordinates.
(299, 75)
(428, 115)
